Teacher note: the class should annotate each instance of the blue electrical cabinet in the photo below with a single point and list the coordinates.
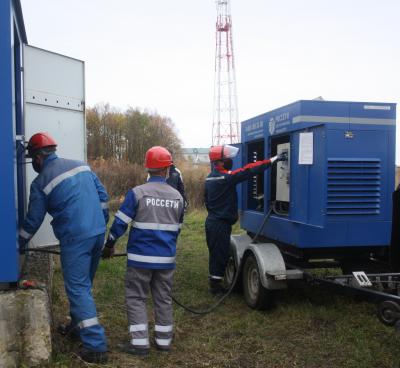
(12, 201)
(335, 191)
(40, 91)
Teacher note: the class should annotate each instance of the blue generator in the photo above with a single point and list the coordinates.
(329, 205)
(332, 198)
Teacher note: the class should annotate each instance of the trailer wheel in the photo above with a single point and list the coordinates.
(388, 312)
(230, 271)
(230, 274)
(256, 296)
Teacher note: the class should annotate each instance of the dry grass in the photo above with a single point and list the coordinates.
(119, 176)
(308, 328)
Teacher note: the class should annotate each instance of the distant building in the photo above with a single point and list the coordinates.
(196, 155)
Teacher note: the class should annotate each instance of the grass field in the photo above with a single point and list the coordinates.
(307, 327)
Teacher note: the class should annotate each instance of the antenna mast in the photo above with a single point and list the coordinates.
(225, 121)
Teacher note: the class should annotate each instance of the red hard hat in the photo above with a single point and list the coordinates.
(218, 153)
(39, 141)
(157, 157)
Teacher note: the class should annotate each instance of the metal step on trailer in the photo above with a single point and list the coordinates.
(291, 274)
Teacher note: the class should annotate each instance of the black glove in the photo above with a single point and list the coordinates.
(22, 245)
(108, 250)
(282, 157)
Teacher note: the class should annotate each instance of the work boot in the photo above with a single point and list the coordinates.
(68, 330)
(128, 348)
(98, 357)
(216, 288)
(163, 349)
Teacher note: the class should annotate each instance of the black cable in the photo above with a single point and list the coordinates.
(194, 311)
(212, 307)
(201, 312)
(219, 301)
(41, 250)
(262, 225)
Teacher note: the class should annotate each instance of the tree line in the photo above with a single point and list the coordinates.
(127, 135)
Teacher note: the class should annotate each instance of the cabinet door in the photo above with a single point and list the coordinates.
(54, 102)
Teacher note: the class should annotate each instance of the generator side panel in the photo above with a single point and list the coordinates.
(308, 178)
(361, 174)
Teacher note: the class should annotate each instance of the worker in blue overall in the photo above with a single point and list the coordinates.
(221, 202)
(176, 181)
(155, 210)
(73, 195)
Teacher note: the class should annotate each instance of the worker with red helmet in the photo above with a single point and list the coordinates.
(73, 195)
(221, 203)
(155, 210)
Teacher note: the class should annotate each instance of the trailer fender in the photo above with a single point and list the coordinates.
(239, 244)
(271, 265)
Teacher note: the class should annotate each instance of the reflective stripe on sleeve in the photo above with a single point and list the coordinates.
(88, 322)
(104, 205)
(156, 226)
(139, 327)
(24, 234)
(163, 342)
(150, 259)
(68, 174)
(123, 217)
(179, 172)
(159, 328)
(215, 178)
(216, 277)
(140, 342)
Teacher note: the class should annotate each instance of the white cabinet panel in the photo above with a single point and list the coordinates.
(54, 102)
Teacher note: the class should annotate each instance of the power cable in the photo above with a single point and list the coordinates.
(187, 308)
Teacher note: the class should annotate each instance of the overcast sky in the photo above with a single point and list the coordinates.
(159, 54)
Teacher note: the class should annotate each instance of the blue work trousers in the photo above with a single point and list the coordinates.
(79, 263)
(218, 235)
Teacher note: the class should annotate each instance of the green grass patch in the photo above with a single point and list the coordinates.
(307, 328)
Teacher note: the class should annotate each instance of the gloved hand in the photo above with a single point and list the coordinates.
(281, 157)
(106, 215)
(22, 245)
(108, 250)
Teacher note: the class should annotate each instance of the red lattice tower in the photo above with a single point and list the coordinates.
(225, 121)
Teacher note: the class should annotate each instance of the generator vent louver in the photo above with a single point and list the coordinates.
(354, 187)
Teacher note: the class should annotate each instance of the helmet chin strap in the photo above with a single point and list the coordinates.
(37, 167)
(228, 164)
(37, 164)
(24, 162)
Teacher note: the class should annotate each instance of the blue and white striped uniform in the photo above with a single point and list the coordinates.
(155, 212)
(74, 196)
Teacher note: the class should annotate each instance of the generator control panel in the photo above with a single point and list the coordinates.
(283, 174)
